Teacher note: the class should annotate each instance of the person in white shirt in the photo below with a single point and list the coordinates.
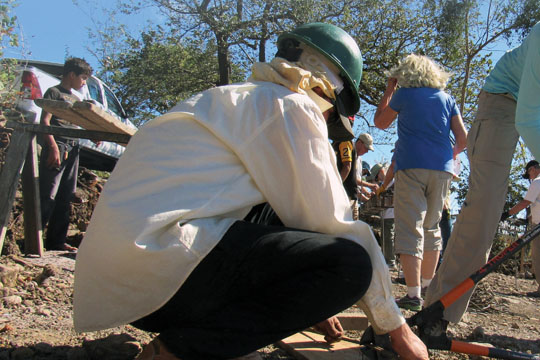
(225, 225)
(532, 199)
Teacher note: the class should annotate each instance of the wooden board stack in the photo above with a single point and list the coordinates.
(86, 115)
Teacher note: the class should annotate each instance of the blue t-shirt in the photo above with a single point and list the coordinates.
(518, 72)
(424, 119)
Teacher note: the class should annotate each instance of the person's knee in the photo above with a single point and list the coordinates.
(353, 264)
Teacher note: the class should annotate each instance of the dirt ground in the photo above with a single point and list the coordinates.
(36, 318)
(36, 304)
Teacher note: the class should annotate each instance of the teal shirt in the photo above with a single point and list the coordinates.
(518, 73)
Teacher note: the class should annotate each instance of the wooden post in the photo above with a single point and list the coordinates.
(33, 233)
(9, 176)
(23, 139)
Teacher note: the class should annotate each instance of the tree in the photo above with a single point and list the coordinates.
(158, 71)
(466, 29)
(8, 38)
(242, 25)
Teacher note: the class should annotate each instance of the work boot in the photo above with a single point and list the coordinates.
(155, 350)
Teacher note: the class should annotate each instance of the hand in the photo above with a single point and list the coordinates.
(380, 190)
(391, 85)
(331, 328)
(374, 187)
(407, 344)
(53, 158)
(505, 215)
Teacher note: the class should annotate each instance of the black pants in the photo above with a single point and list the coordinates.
(57, 188)
(258, 285)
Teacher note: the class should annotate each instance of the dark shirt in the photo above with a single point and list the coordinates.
(350, 181)
(60, 94)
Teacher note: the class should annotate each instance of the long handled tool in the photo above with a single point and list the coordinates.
(434, 312)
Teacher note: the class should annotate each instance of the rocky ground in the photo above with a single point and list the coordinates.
(36, 303)
(36, 316)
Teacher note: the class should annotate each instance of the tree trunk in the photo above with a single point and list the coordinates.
(223, 60)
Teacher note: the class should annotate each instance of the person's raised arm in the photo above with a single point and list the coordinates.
(458, 129)
(384, 116)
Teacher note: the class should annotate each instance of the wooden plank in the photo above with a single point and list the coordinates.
(9, 176)
(309, 345)
(103, 118)
(121, 139)
(85, 115)
(33, 233)
(64, 110)
(353, 320)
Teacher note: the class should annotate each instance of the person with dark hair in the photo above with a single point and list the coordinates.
(346, 163)
(226, 224)
(59, 161)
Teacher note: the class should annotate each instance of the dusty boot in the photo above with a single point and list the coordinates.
(155, 350)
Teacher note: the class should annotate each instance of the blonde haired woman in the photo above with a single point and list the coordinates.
(424, 163)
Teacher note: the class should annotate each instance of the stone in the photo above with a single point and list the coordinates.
(113, 347)
(12, 300)
(479, 332)
(44, 312)
(9, 275)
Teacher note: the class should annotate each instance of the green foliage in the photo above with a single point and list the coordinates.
(158, 71)
(512, 265)
(8, 38)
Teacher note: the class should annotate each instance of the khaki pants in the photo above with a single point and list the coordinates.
(418, 203)
(490, 147)
(535, 257)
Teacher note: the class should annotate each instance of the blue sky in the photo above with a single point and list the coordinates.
(50, 30)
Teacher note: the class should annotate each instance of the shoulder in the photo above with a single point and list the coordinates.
(345, 145)
(52, 91)
(535, 31)
(536, 182)
(56, 93)
(534, 188)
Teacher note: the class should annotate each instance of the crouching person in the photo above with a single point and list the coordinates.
(225, 226)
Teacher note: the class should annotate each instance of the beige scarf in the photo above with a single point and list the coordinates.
(312, 70)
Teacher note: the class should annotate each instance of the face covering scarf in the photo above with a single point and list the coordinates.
(310, 71)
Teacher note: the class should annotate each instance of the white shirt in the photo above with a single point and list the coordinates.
(533, 195)
(188, 175)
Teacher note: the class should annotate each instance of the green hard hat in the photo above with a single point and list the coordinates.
(341, 49)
